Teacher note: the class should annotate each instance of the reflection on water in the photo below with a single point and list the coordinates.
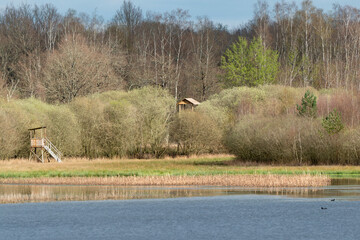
(345, 181)
(31, 193)
(346, 189)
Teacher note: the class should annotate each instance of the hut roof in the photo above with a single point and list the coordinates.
(32, 129)
(189, 100)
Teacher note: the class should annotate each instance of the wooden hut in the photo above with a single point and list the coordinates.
(187, 104)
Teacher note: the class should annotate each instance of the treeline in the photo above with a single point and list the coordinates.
(55, 57)
(315, 48)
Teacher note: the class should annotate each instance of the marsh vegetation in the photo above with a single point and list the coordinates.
(244, 180)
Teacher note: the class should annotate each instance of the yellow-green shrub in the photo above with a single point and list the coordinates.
(284, 140)
(195, 133)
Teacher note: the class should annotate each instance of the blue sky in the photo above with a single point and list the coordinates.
(228, 12)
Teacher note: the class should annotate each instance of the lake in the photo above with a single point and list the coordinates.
(211, 213)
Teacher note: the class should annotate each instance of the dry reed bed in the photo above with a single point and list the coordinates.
(270, 180)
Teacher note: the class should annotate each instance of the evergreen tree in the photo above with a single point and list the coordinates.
(333, 122)
(308, 107)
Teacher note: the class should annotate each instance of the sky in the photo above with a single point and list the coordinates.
(231, 13)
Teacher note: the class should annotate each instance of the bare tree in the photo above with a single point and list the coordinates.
(71, 25)
(262, 22)
(127, 18)
(47, 21)
(76, 70)
(203, 67)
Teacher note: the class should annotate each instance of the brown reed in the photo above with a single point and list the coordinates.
(253, 180)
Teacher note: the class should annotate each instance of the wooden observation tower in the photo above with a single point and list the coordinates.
(41, 147)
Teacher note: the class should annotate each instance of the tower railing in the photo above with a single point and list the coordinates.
(50, 148)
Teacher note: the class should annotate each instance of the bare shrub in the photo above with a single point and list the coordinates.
(20, 115)
(344, 102)
(89, 115)
(63, 130)
(118, 123)
(195, 133)
(283, 140)
(2, 86)
(154, 110)
(119, 135)
(11, 133)
(231, 104)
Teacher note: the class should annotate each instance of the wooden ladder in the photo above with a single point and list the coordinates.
(52, 150)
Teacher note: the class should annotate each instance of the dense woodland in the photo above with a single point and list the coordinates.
(55, 57)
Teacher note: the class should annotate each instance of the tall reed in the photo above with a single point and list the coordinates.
(253, 180)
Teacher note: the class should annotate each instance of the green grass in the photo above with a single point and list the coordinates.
(155, 167)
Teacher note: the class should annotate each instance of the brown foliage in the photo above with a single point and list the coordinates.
(345, 103)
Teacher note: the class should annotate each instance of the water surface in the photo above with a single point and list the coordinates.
(181, 212)
(218, 217)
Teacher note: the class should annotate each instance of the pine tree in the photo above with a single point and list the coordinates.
(308, 107)
(333, 122)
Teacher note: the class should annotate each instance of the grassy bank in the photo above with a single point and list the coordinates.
(195, 166)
